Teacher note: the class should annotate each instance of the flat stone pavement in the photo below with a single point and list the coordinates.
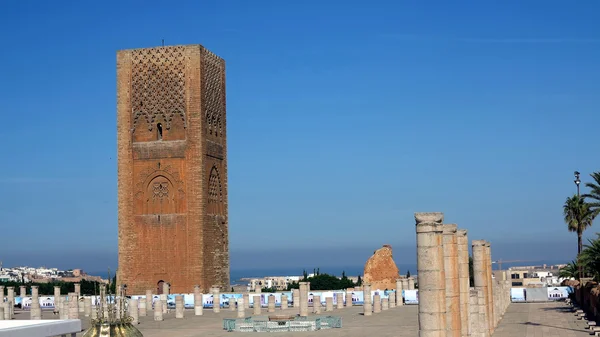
(554, 319)
(399, 321)
(522, 319)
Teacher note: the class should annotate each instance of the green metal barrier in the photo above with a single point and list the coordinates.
(262, 324)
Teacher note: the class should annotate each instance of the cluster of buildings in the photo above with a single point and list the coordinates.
(535, 276)
(44, 275)
(278, 282)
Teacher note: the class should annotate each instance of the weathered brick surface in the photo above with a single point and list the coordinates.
(172, 169)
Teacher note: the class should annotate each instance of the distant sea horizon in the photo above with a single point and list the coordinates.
(237, 274)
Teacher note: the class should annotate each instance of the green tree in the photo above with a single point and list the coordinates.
(594, 193)
(571, 270)
(578, 216)
(407, 273)
(359, 281)
(590, 258)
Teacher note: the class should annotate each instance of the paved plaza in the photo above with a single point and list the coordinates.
(525, 319)
(540, 320)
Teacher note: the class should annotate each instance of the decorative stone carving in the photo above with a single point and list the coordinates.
(213, 95)
(431, 217)
(380, 270)
(158, 86)
(215, 189)
(148, 175)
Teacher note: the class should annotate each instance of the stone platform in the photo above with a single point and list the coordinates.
(521, 320)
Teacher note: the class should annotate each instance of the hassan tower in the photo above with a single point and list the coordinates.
(172, 169)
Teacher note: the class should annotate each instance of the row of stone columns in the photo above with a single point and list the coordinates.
(447, 304)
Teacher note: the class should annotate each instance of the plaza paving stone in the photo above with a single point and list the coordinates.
(553, 319)
(523, 319)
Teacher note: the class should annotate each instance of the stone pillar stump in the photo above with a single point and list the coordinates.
(431, 275)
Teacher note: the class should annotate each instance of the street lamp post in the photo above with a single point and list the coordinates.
(577, 181)
(579, 266)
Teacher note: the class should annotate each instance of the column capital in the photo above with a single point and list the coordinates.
(478, 243)
(449, 229)
(461, 232)
(487, 244)
(429, 217)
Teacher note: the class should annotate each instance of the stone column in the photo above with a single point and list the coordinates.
(2, 310)
(198, 304)
(271, 303)
(5, 310)
(241, 307)
(303, 300)
(246, 298)
(392, 299)
(216, 300)
(411, 283)
(57, 298)
(78, 289)
(431, 274)
(35, 311)
(376, 303)
(399, 287)
(80, 304)
(22, 292)
(284, 302)
(87, 306)
(404, 284)
(232, 303)
(256, 305)
(483, 321)
(142, 308)
(385, 303)
(474, 324)
(339, 300)
(10, 295)
(349, 297)
(158, 310)
(490, 293)
(134, 311)
(328, 303)
(367, 304)
(64, 308)
(462, 243)
(166, 289)
(296, 297)
(164, 305)
(453, 318)
(179, 306)
(317, 304)
(73, 306)
(480, 280)
(148, 300)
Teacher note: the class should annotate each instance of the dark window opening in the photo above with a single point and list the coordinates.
(159, 130)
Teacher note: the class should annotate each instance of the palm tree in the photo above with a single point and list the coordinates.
(594, 193)
(578, 216)
(590, 258)
(571, 270)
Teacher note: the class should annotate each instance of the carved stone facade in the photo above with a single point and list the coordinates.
(172, 169)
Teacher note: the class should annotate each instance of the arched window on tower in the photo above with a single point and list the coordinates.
(215, 192)
(159, 131)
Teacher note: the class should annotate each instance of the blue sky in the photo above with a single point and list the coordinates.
(344, 118)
